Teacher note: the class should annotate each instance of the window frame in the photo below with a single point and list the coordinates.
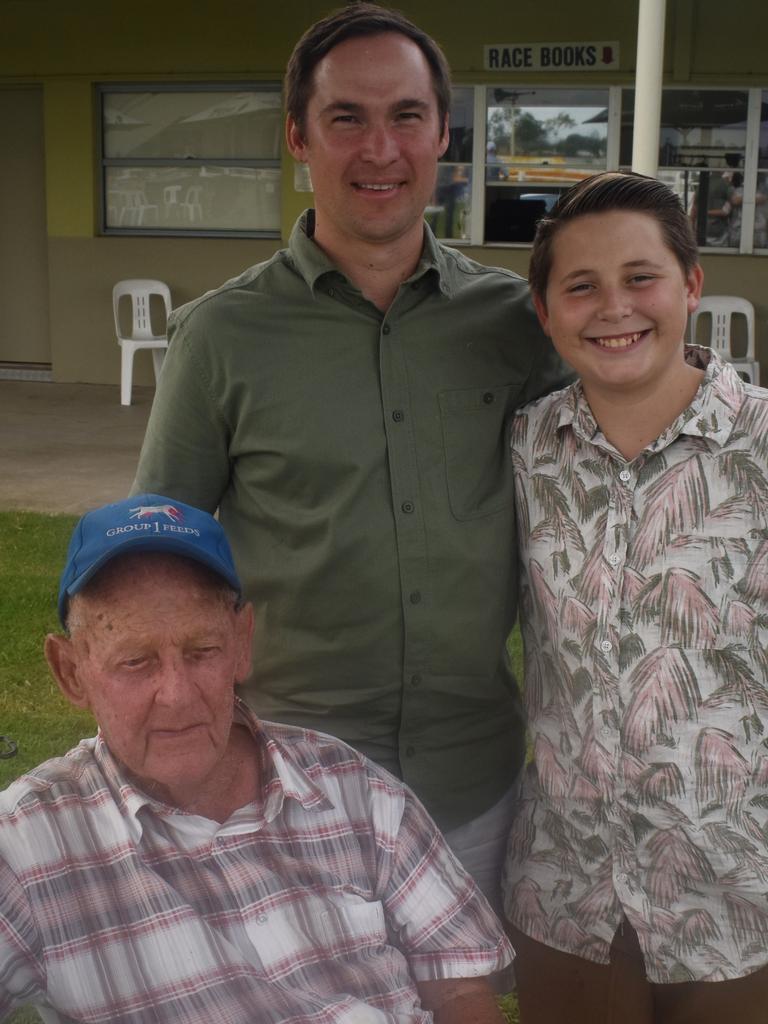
(153, 231)
(751, 164)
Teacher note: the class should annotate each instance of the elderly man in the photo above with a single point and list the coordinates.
(344, 406)
(194, 865)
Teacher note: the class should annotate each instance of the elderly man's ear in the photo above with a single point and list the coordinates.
(62, 661)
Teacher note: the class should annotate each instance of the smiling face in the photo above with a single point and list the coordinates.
(616, 305)
(372, 141)
(155, 652)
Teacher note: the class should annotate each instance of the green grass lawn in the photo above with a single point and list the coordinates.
(32, 711)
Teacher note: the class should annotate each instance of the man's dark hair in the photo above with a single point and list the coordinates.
(357, 20)
(604, 193)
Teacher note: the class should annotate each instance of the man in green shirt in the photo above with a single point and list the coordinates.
(344, 406)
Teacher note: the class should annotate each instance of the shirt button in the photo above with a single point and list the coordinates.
(262, 919)
(398, 415)
(415, 596)
(410, 751)
(407, 506)
(488, 397)
(606, 645)
(331, 292)
(385, 329)
(416, 680)
(614, 559)
(625, 476)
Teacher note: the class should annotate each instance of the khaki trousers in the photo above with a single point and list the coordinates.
(559, 988)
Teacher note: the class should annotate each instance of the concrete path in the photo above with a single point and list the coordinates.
(68, 447)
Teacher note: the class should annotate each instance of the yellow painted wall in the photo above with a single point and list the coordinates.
(68, 47)
(168, 38)
(83, 270)
(70, 165)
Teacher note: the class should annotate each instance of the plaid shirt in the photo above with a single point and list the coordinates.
(320, 903)
(644, 608)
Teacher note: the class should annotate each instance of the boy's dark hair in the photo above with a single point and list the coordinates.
(353, 21)
(603, 193)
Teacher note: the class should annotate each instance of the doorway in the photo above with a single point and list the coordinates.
(24, 325)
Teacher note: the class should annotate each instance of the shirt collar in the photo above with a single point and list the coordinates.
(313, 264)
(282, 778)
(711, 415)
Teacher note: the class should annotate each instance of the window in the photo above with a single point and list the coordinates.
(536, 142)
(449, 213)
(532, 142)
(760, 236)
(702, 154)
(202, 160)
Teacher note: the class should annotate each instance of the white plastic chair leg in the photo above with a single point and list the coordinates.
(126, 375)
(750, 368)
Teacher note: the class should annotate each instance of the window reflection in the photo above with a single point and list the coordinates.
(761, 198)
(460, 126)
(202, 198)
(530, 130)
(188, 125)
(539, 141)
(698, 126)
(449, 211)
(705, 129)
(194, 160)
(761, 212)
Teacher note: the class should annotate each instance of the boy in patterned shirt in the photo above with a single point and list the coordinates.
(637, 869)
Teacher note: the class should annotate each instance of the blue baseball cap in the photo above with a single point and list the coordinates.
(147, 522)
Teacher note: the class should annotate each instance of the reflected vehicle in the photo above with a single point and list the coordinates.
(548, 198)
(511, 214)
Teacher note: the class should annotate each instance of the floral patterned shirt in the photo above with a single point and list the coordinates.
(644, 611)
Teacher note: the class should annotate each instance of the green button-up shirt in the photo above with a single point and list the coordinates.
(359, 466)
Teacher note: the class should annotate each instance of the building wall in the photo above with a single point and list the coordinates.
(24, 328)
(67, 48)
(83, 271)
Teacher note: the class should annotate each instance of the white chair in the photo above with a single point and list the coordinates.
(141, 335)
(721, 308)
(192, 206)
(135, 206)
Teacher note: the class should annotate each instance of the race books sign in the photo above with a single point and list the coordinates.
(551, 56)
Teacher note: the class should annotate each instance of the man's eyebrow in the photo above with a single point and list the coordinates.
(408, 104)
(350, 107)
(342, 106)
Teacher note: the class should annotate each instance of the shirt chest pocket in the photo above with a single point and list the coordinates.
(315, 928)
(477, 462)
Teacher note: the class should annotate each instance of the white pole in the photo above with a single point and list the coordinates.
(648, 77)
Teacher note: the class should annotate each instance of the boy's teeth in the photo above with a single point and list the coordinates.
(621, 342)
(377, 188)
